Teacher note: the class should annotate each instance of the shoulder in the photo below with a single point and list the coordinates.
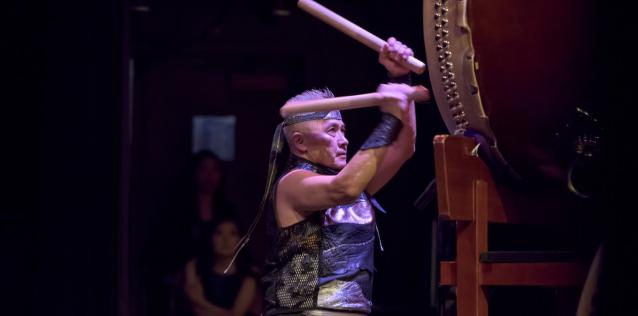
(294, 178)
(191, 264)
(190, 272)
(249, 281)
(297, 174)
(190, 269)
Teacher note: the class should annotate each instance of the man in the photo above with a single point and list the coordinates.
(322, 260)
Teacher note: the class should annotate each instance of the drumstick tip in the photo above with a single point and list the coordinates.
(420, 94)
(283, 111)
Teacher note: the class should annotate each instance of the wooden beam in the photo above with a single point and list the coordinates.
(534, 274)
(521, 274)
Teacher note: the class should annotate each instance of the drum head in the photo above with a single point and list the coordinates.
(512, 73)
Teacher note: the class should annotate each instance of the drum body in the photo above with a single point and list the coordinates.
(512, 73)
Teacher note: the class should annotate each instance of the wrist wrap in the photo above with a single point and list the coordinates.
(385, 133)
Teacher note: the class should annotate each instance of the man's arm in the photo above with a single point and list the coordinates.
(404, 147)
(398, 153)
(301, 191)
(304, 191)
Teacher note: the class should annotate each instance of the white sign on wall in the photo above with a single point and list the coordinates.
(215, 133)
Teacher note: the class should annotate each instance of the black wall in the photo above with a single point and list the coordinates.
(77, 229)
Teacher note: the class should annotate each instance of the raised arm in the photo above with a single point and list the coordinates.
(300, 191)
(404, 147)
(304, 190)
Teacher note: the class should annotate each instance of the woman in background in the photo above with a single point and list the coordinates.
(207, 290)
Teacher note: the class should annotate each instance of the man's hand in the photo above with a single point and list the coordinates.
(396, 99)
(390, 55)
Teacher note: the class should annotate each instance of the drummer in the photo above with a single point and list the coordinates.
(322, 259)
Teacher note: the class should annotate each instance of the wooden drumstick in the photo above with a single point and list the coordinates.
(354, 31)
(418, 93)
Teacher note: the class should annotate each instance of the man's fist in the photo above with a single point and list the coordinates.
(390, 55)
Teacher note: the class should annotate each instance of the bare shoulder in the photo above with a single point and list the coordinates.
(190, 273)
(191, 264)
(293, 179)
(289, 191)
(249, 281)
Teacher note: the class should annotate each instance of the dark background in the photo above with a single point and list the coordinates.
(114, 89)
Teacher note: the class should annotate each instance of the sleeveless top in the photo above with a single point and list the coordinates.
(222, 290)
(324, 261)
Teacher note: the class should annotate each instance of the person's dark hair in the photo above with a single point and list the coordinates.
(205, 255)
(222, 204)
(203, 154)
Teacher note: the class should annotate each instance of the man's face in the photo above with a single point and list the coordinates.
(327, 143)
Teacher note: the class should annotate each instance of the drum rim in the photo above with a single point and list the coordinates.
(450, 55)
